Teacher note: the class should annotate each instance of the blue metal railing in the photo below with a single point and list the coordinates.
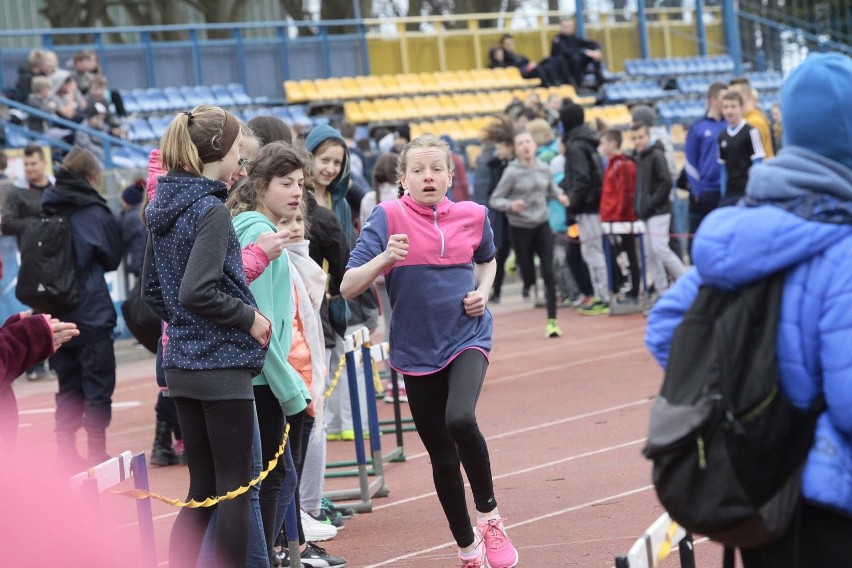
(238, 36)
(107, 141)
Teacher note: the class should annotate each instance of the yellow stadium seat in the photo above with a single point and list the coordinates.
(409, 83)
(391, 86)
(310, 90)
(293, 92)
(448, 104)
(351, 88)
(353, 113)
(448, 81)
(466, 81)
(368, 108)
(370, 86)
(409, 108)
(429, 83)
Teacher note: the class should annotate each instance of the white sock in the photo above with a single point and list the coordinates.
(483, 517)
(470, 555)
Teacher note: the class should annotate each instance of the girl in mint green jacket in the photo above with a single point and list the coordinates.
(273, 189)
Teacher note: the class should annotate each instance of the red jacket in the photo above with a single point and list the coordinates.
(618, 192)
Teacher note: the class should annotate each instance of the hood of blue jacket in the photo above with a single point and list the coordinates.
(319, 134)
(794, 205)
(177, 192)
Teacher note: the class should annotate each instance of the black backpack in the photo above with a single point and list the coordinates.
(47, 277)
(728, 447)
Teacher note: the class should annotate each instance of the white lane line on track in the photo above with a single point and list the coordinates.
(417, 553)
(52, 409)
(562, 366)
(552, 423)
(497, 354)
(522, 471)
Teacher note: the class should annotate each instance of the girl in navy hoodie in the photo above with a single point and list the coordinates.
(194, 279)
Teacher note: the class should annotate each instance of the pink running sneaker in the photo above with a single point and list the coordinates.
(499, 550)
(478, 561)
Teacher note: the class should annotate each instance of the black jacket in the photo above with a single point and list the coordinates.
(653, 182)
(98, 249)
(583, 170)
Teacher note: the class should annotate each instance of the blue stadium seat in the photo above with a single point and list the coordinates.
(126, 158)
(175, 99)
(144, 103)
(131, 105)
(222, 96)
(139, 129)
(238, 93)
(158, 124)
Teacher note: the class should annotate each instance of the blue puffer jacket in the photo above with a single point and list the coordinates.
(799, 218)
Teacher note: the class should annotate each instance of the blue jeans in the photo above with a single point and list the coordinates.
(257, 555)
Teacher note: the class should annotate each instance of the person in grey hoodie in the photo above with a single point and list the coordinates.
(522, 193)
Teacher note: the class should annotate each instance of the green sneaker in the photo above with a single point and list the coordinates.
(552, 329)
(595, 309)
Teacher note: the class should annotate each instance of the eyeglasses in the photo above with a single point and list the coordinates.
(244, 162)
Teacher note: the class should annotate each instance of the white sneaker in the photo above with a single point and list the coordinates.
(316, 531)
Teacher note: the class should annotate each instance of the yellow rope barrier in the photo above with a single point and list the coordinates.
(377, 382)
(210, 501)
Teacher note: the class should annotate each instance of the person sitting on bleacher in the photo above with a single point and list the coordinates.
(99, 93)
(550, 71)
(84, 67)
(577, 53)
(40, 63)
(96, 119)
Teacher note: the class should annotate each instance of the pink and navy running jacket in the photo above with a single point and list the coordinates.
(428, 326)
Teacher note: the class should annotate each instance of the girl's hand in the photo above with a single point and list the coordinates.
(272, 243)
(563, 199)
(261, 329)
(62, 331)
(474, 304)
(517, 205)
(397, 249)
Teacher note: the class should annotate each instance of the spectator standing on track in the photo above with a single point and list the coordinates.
(500, 133)
(446, 276)
(272, 190)
(134, 235)
(701, 152)
(618, 194)
(86, 367)
(22, 204)
(653, 205)
(753, 115)
(798, 219)
(740, 147)
(194, 279)
(522, 194)
(582, 184)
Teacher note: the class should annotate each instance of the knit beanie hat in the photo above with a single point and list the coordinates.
(644, 114)
(815, 107)
(132, 195)
(572, 115)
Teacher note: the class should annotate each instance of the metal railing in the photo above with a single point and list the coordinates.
(108, 141)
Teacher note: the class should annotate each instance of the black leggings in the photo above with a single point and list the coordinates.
(270, 419)
(443, 407)
(218, 438)
(536, 241)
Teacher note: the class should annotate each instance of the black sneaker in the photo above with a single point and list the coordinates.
(316, 557)
(284, 557)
